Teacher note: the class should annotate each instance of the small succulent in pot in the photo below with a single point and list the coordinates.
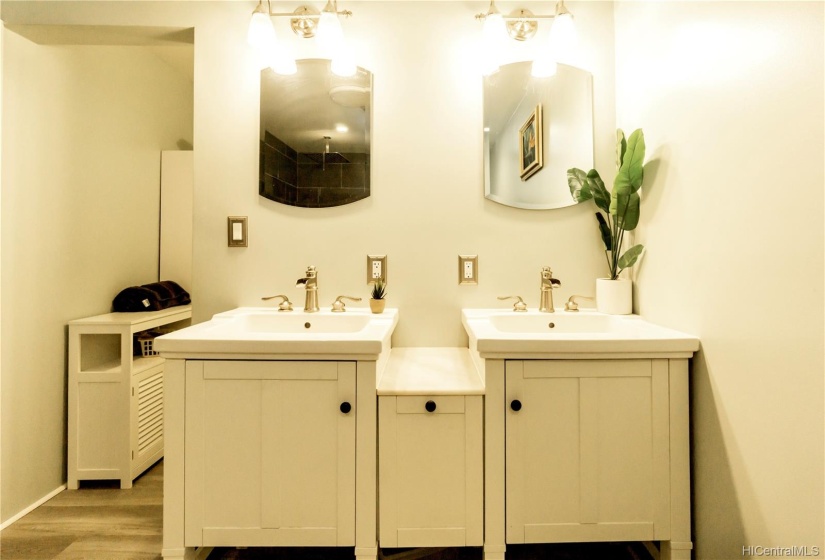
(379, 292)
(379, 289)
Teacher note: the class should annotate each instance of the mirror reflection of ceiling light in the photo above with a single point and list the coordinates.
(306, 22)
(522, 25)
(340, 127)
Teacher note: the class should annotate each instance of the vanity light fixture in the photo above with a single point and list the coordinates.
(522, 25)
(306, 22)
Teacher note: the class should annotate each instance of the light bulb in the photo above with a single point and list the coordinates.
(564, 39)
(493, 36)
(261, 33)
(329, 32)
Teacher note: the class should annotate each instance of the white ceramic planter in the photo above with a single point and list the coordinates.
(614, 297)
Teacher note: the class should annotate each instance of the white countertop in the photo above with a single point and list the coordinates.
(266, 333)
(430, 371)
(501, 333)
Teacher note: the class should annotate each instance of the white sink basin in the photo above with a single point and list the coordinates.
(554, 323)
(503, 333)
(257, 331)
(306, 323)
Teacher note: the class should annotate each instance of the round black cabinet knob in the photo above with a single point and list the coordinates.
(430, 406)
(346, 407)
(516, 405)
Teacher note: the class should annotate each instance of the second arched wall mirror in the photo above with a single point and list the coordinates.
(535, 129)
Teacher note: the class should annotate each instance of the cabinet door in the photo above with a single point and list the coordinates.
(270, 453)
(587, 451)
(430, 471)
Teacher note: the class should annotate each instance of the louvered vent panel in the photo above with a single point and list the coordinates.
(150, 411)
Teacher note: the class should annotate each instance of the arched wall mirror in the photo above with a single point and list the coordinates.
(315, 136)
(535, 129)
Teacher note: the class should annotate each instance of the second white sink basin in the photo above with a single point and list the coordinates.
(554, 323)
(507, 333)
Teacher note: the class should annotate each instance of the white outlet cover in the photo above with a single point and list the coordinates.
(468, 269)
(376, 268)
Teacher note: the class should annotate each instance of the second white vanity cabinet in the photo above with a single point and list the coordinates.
(270, 453)
(587, 456)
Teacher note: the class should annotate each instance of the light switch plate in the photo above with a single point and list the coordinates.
(468, 269)
(237, 231)
(376, 268)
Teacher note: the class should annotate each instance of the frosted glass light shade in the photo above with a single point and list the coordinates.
(261, 33)
(564, 39)
(329, 34)
(493, 38)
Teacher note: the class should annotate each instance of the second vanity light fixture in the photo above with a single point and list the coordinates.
(522, 25)
(306, 22)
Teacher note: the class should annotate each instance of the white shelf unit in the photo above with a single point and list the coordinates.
(115, 424)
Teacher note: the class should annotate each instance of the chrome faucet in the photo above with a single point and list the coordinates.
(547, 285)
(310, 282)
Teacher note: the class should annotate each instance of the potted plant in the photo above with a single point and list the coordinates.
(379, 292)
(619, 213)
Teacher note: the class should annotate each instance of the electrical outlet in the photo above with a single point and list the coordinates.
(468, 269)
(376, 268)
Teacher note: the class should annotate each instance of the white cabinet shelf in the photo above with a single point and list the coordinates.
(115, 408)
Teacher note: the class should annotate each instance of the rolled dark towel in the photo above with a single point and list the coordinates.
(150, 297)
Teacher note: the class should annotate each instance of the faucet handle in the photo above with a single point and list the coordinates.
(311, 271)
(339, 306)
(572, 305)
(285, 305)
(519, 305)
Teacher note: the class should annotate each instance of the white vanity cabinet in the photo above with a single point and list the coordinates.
(586, 450)
(270, 453)
(271, 430)
(115, 399)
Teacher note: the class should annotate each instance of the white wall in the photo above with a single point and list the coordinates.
(82, 132)
(730, 96)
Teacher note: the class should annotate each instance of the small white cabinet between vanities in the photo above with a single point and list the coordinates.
(430, 449)
(115, 399)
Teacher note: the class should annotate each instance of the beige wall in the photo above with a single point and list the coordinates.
(83, 128)
(730, 95)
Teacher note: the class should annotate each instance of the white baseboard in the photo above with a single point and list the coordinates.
(33, 507)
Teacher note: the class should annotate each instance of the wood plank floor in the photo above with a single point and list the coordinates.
(102, 522)
(98, 522)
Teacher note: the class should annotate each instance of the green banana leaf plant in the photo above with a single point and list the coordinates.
(621, 207)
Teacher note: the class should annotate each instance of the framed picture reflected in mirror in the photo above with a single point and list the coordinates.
(530, 142)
